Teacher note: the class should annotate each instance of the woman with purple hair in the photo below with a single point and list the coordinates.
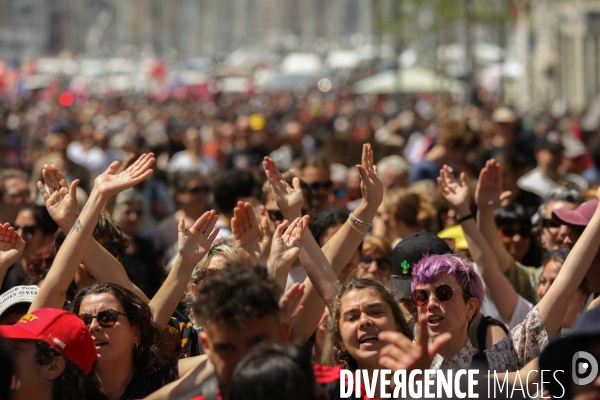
(448, 293)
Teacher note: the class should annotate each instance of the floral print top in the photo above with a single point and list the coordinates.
(524, 343)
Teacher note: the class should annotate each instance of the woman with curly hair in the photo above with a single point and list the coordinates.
(122, 325)
(362, 309)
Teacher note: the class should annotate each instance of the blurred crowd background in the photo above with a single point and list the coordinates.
(211, 87)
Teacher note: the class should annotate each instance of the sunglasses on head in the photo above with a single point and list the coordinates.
(27, 231)
(319, 185)
(443, 293)
(205, 272)
(106, 318)
(277, 216)
(198, 189)
(510, 231)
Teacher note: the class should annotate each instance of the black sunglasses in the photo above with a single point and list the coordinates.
(549, 223)
(198, 189)
(510, 231)
(277, 216)
(27, 231)
(106, 318)
(319, 185)
(381, 262)
(443, 293)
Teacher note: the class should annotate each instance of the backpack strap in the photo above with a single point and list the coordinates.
(482, 330)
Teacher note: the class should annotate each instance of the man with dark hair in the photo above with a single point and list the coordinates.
(14, 194)
(238, 309)
(230, 187)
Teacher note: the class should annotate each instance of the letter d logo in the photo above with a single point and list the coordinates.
(590, 365)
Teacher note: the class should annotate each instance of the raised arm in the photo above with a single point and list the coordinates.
(252, 242)
(553, 305)
(285, 248)
(11, 248)
(193, 245)
(488, 196)
(339, 249)
(53, 290)
(61, 203)
(504, 295)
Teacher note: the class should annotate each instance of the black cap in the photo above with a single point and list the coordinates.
(551, 141)
(559, 353)
(407, 253)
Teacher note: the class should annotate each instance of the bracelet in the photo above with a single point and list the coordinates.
(355, 228)
(360, 222)
(463, 219)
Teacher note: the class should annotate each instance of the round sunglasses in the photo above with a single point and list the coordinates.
(106, 318)
(443, 293)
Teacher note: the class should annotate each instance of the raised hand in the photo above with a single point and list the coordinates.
(110, 183)
(402, 354)
(195, 242)
(251, 241)
(286, 246)
(488, 193)
(60, 198)
(370, 185)
(289, 309)
(11, 245)
(456, 193)
(289, 199)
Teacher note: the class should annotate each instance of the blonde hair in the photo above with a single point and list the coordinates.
(225, 249)
(409, 207)
(377, 244)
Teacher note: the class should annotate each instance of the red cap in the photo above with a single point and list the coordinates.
(580, 216)
(60, 329)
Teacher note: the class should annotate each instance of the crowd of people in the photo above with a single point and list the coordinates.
(210, 250)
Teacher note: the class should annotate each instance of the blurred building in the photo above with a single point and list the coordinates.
(559, 49)
(191, 27)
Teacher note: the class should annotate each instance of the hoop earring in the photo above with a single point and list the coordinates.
(136, 346)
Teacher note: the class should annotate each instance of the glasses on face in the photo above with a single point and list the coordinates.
(443, 293)
(27, 231)
(198, 189)
(508, 232)
(277, 216)
(382, 263)
(106, 318)
(321, 185)
(550, 224)
(22, 194)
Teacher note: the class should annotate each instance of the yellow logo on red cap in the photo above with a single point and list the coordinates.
(28, 318)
